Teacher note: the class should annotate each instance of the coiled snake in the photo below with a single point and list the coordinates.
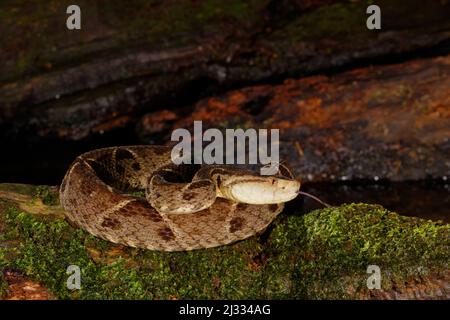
(183, 208)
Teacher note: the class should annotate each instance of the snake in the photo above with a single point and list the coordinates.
(138, 197)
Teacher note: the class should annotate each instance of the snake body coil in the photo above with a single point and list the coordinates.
(205, 211)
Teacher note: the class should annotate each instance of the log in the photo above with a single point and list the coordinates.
(387, 122)
(323, 254)
(128, 60)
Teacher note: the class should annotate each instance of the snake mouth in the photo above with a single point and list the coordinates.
(263, 191)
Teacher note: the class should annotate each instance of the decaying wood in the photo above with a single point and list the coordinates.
(386, 122)
(133, 59)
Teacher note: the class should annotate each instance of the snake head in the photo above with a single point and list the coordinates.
(259, 190)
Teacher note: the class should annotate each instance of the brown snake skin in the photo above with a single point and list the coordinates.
(91, 198)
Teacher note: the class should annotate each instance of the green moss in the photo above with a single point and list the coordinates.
(3, 283)
(48, 195)
(318, 255)
(137, 193)
(48, 248)
(339, 244)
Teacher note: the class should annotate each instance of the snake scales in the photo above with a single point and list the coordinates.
(182, 209)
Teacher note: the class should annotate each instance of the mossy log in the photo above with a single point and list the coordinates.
(135, 57)
(323, 254)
